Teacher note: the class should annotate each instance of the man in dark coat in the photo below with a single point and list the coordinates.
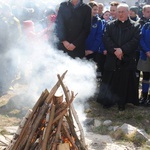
(121, 38)
(73, 25)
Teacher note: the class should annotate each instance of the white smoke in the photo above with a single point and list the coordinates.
(45, 62)
(40, 62)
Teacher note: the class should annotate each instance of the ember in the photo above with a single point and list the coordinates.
(50, 124)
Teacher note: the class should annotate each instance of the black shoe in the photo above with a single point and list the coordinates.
(142, 101)
(147, 103)
(107, 106)
(121, 108)
(143, 98)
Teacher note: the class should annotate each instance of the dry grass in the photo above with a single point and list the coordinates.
(137, 116)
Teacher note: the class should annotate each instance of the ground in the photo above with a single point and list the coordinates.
(15, 103)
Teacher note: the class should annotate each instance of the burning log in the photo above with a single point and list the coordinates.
(50, 124)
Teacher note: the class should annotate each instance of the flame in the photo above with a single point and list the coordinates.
(42, 129)
(66, 140)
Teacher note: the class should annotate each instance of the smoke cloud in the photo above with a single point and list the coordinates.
(40, 62)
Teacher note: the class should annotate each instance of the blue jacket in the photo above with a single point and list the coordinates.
(94, 41)
(145, 40)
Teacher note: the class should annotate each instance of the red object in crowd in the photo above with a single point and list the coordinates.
(51, 18)
(45, 33)
(29, 29)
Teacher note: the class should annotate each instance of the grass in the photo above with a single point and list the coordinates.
(136, 116)
(101, 130)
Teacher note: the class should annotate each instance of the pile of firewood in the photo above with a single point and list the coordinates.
(52, 124)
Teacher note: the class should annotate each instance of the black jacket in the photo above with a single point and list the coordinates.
(124, 35)
(73, 25)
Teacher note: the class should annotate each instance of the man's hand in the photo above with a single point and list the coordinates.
(148, 54)
(88, 52)
(105, 52)
(118, 52)
(66, 44)
(71, 47)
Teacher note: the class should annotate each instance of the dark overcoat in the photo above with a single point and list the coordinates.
(73, 25)
(124, 35)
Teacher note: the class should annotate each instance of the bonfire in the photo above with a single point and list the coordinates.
(52, 124)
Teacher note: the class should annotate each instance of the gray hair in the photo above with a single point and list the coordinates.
(123, 5)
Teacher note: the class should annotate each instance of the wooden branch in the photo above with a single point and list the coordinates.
(58, 98)
(35, 126)
(25, 130)
(34, 146)
(48, 129)
(79, 125)
(46, 125)
(69, 137)
(43, 111)
(51, 141)
(78, 122)
(73, 132)
(60, 115)
(57, 134)
(65, 110)
(54, 89)
(63, 87)
(66, 95)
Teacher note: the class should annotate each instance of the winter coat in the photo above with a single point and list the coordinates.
(136, 18)
(124, 35)
(142, 21)
(73, 25)
(94, 40)
(145, 41)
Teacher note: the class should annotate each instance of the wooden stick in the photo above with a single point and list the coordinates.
(69, 137)
(79, 125)
(73, 132)
(24, 132)
(57, 134)
(48, 129)
(61, 108)
(66, 95)
(49, 146)
(77, 120)
(43, 111)
(60, 115)
(74, 113)
(24, 135)
(64, 111)
(54, 89)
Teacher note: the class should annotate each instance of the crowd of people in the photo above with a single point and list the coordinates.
(22, 26)
(116, 39)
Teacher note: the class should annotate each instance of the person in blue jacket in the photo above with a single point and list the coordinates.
(144, 62)
(94, 43)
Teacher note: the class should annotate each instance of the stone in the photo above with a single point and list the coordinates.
(97, 123)
(107, 122)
